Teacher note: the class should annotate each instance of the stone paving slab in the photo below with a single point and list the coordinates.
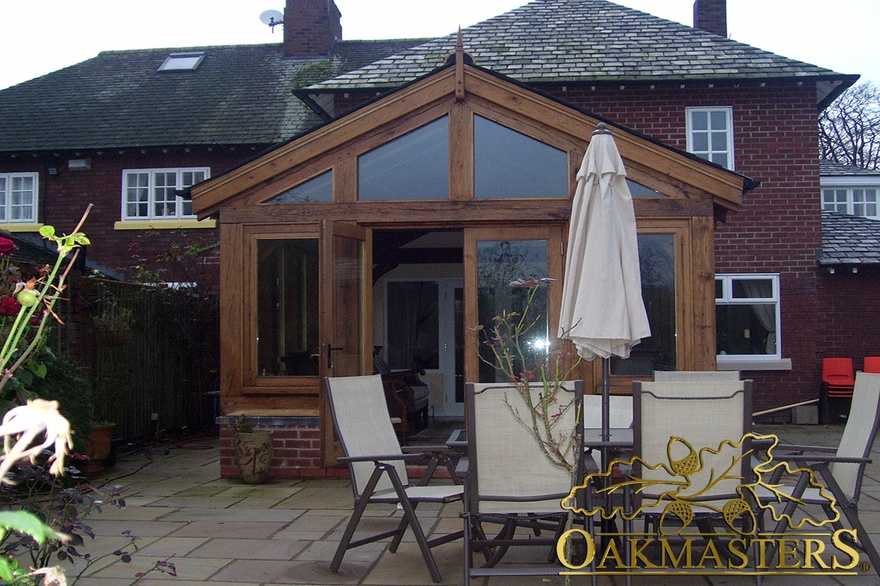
(220, 531)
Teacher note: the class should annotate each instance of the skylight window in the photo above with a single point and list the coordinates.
(182, 61)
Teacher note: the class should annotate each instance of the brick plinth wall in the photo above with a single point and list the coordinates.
(296, 448)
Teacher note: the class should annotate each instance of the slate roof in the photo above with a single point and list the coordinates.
(239, 94)
(242, 94)
(585, 40)
(831, 169)
(849, 241)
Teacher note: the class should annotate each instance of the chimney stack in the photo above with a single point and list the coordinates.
(311, 27)
(711, 16)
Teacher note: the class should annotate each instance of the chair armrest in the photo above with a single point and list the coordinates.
(426, 450)
(823, 459)
(379, 458)
(799, 448)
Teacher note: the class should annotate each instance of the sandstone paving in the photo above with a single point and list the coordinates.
(218, 531)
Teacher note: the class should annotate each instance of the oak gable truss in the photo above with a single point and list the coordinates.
(459, 92)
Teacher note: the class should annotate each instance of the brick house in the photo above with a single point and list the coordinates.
(849, 259)
(720, 146)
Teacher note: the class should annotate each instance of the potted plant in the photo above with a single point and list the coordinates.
(253, 450)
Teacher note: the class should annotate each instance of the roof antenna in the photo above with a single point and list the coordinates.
(272, 17)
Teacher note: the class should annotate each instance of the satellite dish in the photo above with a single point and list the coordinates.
(272, 18)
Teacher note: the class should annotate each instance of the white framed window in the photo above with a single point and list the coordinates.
(150, 194)
(710, 134)
(18, 197)
(855, 200)
(747, 317)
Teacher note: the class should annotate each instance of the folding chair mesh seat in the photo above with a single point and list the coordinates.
(378, 467)
(704, 414)
(696, 375)
(840, 470)
(510, 482)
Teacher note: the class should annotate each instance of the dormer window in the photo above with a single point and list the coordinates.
(182, 61)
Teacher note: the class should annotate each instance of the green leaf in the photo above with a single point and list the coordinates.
(6, 571)
(47, 231)
(28, 523)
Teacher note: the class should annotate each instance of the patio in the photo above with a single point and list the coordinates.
(220, 531)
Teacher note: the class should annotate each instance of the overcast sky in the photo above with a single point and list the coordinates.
(40, 36)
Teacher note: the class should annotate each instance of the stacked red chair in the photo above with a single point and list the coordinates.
(872, 364)
(838, 380)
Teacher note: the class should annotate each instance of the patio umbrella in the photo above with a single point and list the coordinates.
(602, 309)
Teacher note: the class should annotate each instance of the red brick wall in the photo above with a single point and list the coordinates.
(850, 317)
(70, 192)
(296, 451)
(778, 228)
(310, 27)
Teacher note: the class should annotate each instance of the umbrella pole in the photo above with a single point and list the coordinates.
(606, 398)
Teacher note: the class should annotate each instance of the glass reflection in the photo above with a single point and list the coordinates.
(499, 263)
(287, 307)
(412, 166)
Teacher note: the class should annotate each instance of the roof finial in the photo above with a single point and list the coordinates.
(459, 67)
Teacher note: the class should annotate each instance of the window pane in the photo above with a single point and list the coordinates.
(498, 264)
(719, 141)
(639, 190)
(701, 143)
(746, 329)
(3, 198)
(509, 164)
(165, 202)
(21, 199)
(657, 267)
(287, 314)
(700, 120)
(720, 159)
(318, 188)
(719, 120)
(413, 341)
(753, 289)
(413, 166)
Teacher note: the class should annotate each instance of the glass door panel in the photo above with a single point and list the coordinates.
(657, 269)
(287, 312)
(499, 264)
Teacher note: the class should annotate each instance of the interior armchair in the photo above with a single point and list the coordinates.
(407, 397)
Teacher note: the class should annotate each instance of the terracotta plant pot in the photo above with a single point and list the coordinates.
(253, 450)
(99, 444)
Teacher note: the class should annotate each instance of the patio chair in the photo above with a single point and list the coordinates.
(696, 375)
(839, 469)
(872, 364)
(511, 483)
(695, 430)
(621, 411)
(837, 384)
(378, 467)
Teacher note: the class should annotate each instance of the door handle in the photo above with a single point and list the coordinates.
(330, 350)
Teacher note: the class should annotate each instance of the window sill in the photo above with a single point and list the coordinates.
(163, 224)
(21, 226)
(746, 364)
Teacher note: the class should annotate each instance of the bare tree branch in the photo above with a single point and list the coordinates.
(849, 129)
